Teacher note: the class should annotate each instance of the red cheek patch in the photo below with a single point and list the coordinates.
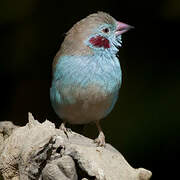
(100, 41)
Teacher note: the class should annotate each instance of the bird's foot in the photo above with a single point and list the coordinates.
(65, 130)
(100, 140)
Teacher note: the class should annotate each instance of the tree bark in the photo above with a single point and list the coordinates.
(42, 152)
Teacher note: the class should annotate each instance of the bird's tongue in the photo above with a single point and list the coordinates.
(122, 28)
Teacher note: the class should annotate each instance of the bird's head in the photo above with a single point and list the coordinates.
(98, 32)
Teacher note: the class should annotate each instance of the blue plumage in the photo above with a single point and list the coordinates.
(77, 73)
(86, 72)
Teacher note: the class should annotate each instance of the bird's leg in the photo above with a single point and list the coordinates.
(100, 140)
(64, 129)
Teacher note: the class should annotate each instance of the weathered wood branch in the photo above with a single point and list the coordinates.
(42, 152)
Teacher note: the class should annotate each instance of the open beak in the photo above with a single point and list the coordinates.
(122, 28)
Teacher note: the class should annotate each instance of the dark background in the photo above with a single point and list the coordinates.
(144, 125)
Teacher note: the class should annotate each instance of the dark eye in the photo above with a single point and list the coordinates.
(105, 30)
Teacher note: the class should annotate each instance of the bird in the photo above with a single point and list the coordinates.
(86, 72)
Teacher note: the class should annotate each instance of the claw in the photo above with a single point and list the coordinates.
(100, 140)
(65, 130)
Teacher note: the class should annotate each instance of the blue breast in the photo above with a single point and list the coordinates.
(81, 71)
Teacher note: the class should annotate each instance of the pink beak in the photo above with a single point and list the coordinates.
(122, 28)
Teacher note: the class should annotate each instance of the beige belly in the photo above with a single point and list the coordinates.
(90, 104)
